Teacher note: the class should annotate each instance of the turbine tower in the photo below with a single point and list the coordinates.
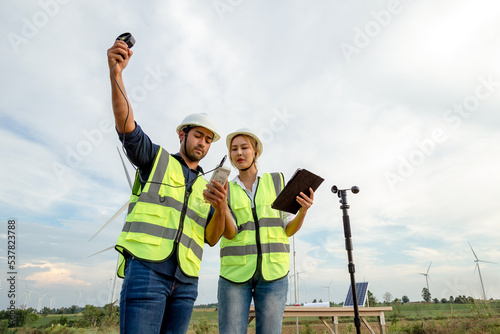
(427, 278)
(479, 269)
(40, 301)
(52, 302)
(328, 287)
(79, 293)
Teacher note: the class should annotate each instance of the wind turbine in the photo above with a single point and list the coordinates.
(78, 300)
(479, 269)
(52, 302)
(427, 278)
(112, 219)
(328, 287)
(40, 300)
(119, 210)
(298, 285)
(23, 306)
(28, 295)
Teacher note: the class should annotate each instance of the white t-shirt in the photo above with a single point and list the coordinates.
(287, 217)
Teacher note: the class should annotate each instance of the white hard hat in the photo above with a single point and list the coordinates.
(202, 120)
(248, 132)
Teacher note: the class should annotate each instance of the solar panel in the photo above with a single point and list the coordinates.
(361, 294)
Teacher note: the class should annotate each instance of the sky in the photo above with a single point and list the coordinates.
(399, 98)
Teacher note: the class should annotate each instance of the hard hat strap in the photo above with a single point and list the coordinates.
(245, 169)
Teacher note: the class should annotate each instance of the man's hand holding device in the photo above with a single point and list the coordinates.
(216, 191)
(220, 175)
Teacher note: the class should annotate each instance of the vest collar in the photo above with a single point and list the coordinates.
(237, 180)
(181, 160)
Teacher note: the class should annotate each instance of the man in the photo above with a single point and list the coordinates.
(172, 213)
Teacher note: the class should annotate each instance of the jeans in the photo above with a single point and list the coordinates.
(154, 303)
(234, 305)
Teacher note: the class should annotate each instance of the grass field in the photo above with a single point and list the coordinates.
(412, 318)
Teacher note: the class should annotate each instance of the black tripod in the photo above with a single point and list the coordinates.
(341, 193)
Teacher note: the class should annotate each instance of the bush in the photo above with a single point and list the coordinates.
(4, 326)
(93, 315)
(31, 318)
(203, 327)
(63, 320)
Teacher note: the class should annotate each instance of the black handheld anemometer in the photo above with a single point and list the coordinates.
(127, 38)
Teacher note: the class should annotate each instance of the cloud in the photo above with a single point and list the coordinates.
(49, 275)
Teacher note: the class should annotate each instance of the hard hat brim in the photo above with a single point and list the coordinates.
(199, 120)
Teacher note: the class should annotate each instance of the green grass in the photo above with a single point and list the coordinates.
(199, 315)
(46, 320)
(477, 317)
(432, 310)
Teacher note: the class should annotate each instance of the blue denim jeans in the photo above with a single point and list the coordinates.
(154, 303)
(234, 305)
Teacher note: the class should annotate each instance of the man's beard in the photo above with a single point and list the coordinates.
(190, 153)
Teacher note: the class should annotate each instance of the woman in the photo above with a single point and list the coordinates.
(255, 258)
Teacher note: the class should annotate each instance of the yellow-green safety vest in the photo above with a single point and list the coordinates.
(164, 213)
(260, 233)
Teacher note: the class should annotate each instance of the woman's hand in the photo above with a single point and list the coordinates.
(305, 201)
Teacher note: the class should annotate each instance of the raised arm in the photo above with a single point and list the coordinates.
(118, 57)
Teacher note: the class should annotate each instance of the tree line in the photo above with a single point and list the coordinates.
(92, 316)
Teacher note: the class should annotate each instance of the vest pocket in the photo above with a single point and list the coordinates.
(177, 178)
(197, 236)
(277, 234)
(234, 260)
(279, 257)
(202, 209)
(278, 241)
(148, 225)
(194, 259)
(143, 238)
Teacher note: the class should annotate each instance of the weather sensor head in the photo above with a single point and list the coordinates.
(127, 38)
(354, 189)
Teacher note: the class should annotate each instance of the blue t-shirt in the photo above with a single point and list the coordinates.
(142, 151)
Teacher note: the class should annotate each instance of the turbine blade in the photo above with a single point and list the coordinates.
(473, 251)
(125, 168)
(429, 267)
(102, 251)
(487, 261)
(111, 219)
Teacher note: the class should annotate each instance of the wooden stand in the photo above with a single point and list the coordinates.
(335, 313)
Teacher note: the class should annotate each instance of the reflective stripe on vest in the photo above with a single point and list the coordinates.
(157, 217)
(239, 256)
